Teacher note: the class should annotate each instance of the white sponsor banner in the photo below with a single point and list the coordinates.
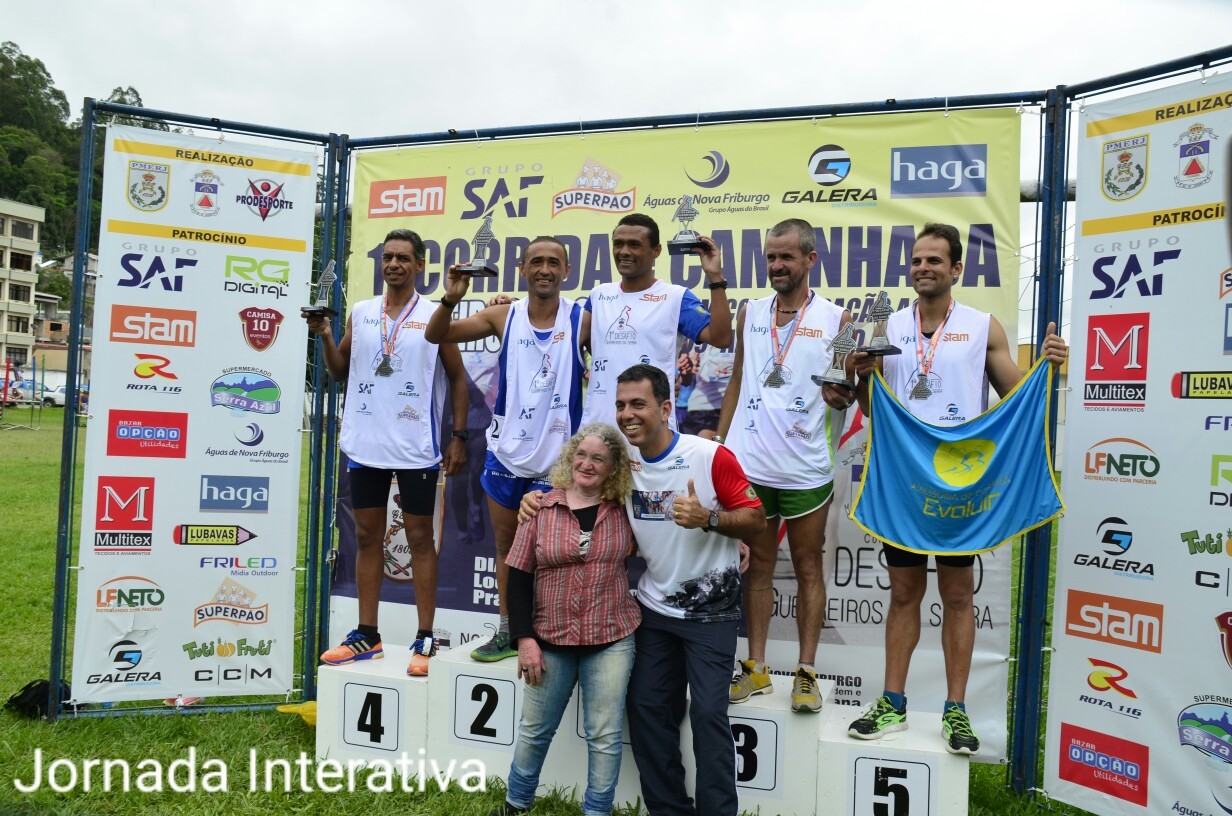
(1140, 691)
(192, 465)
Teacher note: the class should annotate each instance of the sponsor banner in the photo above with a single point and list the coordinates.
(1136, 721)
(867, 184)
(202, 249)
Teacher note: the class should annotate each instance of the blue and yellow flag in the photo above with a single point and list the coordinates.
(963, 489)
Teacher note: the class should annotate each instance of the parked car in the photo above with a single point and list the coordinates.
(29, 392)
(56, 397)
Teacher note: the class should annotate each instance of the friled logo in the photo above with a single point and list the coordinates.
(962, 463)
(397, 198)
(1120, 459)
(596, 188)
(1118, 621)
(1104, 763)
(158, 434)
(1117, 361)
(124, 514)
(144, 271)
(938, 171)
(153, 326)
(233, 603)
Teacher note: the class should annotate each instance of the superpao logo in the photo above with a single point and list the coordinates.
(406, 197)
(153, 326)
(1118, 621)
(159, 434)
(595, 189)
(234, 603)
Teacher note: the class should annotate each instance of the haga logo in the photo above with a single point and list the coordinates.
(247, 389)
(144, 271)
(515, 206)
(596, 188)
(256, 276)
(961, 464)
(260, 327)
(1117, 361)
(716, 175)
(124, 514)
(1105, 763)
(1119, 459)
(397, 198)
(264, 197)
(1114, 620)
(1107, 676)
(1114, 276)
(1194, 156)
(234, 494)
(152, 326)
(158, 434)
(234, 603)
(939, 171)
(129, 593)
(1123, 166)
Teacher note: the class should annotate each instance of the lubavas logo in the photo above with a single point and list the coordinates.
(1120, 459)
(158, 434)
(1117, 361)
(939, 171)
(234, 494)
(234, 603)
(129, 593)
(1105, 763)
(397, 198)
(124, 514)
(1118, 621)
(152, 326)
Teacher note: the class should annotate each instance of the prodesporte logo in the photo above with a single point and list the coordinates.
(232, 603)
(1123, 166)
(1123, 460)
(1117, 537)
(256, 276)
(153, 326)
(1114, 620)
(264, 197)
(1104, 763)
(234, 494)
(828, 166)
(939, 171)
(397, 198)
(597, 189)
(129, 594)
(260, 327)
(717, 174)
(124, 514)
(142, 271)
(246, 389)
(158, 434)
(1116, 369)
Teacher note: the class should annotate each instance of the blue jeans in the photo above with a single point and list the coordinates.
(603, 676)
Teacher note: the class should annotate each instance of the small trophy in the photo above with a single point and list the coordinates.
(687, 241)
(842, 345)
(880, 345)
(479, 266)
(325, 284)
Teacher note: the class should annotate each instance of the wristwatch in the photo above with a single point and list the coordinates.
(463, 435)
(713, 523)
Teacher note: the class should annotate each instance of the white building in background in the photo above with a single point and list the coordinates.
(19, 254)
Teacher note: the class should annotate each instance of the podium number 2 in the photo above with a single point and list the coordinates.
(484, 693)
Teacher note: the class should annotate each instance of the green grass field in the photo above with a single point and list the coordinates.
(29, 485)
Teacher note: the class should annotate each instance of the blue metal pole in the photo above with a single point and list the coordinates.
(1037, 554)
(68, 446)
(211, 122)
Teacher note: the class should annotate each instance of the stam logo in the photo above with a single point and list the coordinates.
(939, 171)
(1116, 362)
(1120, 459)
(158, 434)
(398, 198)
(124, 514)
(1115, 620)
(153, 326)
(1104, 763)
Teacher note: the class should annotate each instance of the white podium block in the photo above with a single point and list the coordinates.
(908, 773)
(372, 710)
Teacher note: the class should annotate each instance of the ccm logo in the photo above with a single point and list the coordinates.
(401, 197)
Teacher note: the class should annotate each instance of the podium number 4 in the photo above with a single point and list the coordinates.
(370, 716)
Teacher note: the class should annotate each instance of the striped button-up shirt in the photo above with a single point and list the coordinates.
(581, 598)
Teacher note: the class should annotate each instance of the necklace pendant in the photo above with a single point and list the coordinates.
(921, 390)
(385, 369)
(775, 378)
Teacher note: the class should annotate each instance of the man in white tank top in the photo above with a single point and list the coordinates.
(778, 423)
(950, 353)
(636, 319)
(539, 394)
(391, 426)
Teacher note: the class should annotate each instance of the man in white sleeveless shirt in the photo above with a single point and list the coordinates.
(539, 396)
(951, 353)
(636, 319)
(391, 426)
(780, 425)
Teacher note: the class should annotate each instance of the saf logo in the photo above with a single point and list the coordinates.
(1113, 284)
(142, 275)
(474, 191)
(365, 387)
(527, 413)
